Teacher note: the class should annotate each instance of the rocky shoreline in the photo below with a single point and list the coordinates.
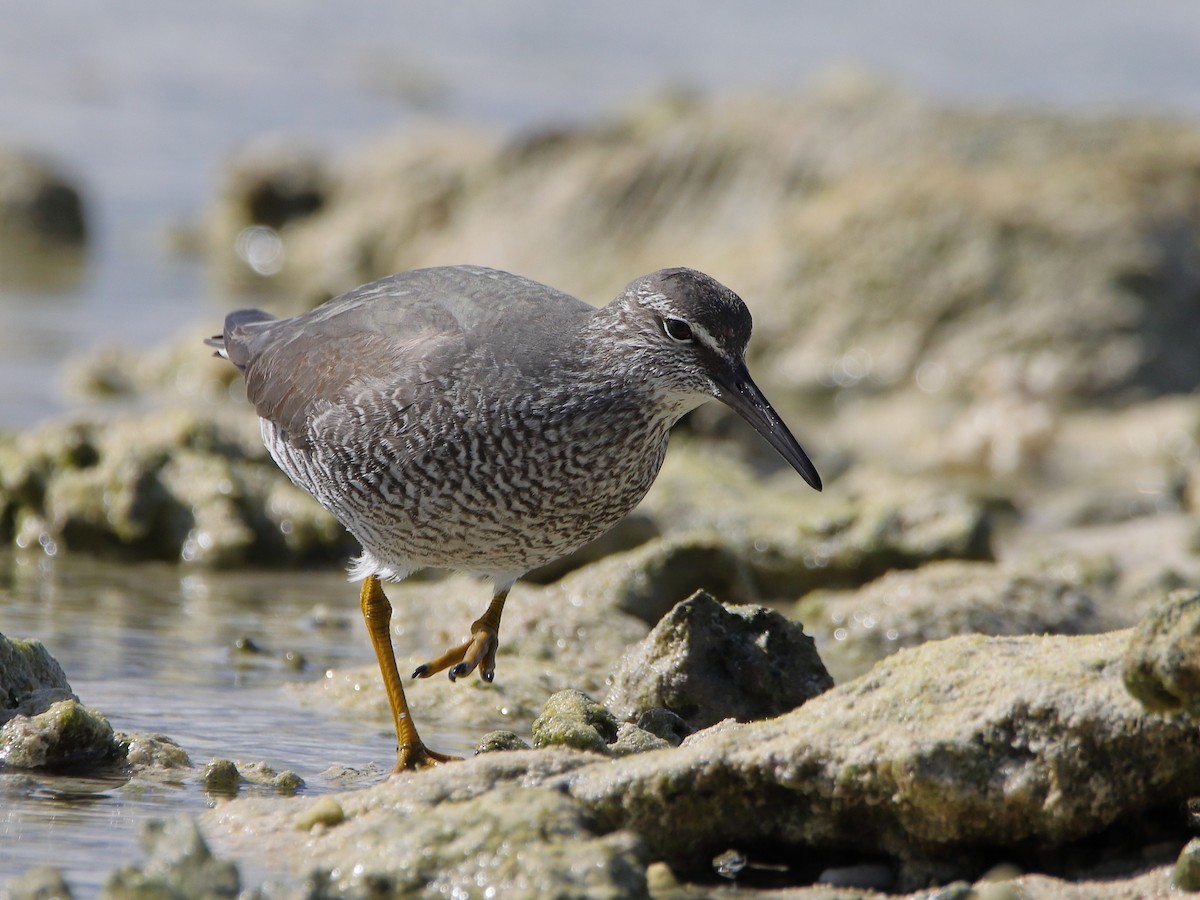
(980, 322)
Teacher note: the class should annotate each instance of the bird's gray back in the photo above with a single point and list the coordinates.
(390, 335)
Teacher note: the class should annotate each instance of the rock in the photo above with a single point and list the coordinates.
(499, 741)
(41, 883)
(665, 724)
(661, 880)
(963, 750)
(31, 680)
(147, 753)
(166, 486)
(634, 739)
(456, 835)
(43, 225)
(66, 735)
(1162, 661)
(663, 572)
(792, 541)
(855, 629)
(957, 744)
(261, 775)
(224, 777)
(221, 776)
(39, 204)
(178, 864)
(706, 662)
(180, 369)
(1186, 875)
(945, 757)
(43, 725)
(573, 719)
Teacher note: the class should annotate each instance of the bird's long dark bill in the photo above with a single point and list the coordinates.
(740, 393)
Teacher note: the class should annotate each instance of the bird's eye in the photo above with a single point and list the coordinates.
(677, 330)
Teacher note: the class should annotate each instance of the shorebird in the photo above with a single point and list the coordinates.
(471, 419)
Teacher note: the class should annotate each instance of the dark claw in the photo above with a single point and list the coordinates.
(487, 676)
(420, 671)
(458, 671)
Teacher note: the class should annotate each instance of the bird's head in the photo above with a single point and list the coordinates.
(686, 334)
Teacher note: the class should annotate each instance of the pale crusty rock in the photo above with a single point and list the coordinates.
(707, 661)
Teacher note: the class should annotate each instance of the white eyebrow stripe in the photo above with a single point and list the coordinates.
(705, 338)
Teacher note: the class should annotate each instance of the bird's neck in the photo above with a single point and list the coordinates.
(615, 369)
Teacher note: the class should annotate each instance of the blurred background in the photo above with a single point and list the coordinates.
(139, 105)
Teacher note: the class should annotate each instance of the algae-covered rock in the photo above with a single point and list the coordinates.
(573, 719)
(854, 629)
(221, 776)
(43, 725)
(791, 540)
(178, 864)
(706, 662)
(499, 741)
(167, 486)
(1162, 661)
(65, 735)
(957, 744)
(946, 756)
(224, 777)
(634, 739)
(150, 753)
(30, 678)
(470, 832)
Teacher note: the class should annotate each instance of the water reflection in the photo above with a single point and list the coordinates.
(156, 649)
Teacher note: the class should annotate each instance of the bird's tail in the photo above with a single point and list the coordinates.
(230, 344)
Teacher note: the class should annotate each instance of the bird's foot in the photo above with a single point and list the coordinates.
(418, 756)
(477, 653)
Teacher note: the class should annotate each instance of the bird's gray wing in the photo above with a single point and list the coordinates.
(364, 351)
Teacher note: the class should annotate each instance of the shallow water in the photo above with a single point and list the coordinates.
(154, 648)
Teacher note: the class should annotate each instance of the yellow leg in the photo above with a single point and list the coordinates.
(477, 651)
(377, 611)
